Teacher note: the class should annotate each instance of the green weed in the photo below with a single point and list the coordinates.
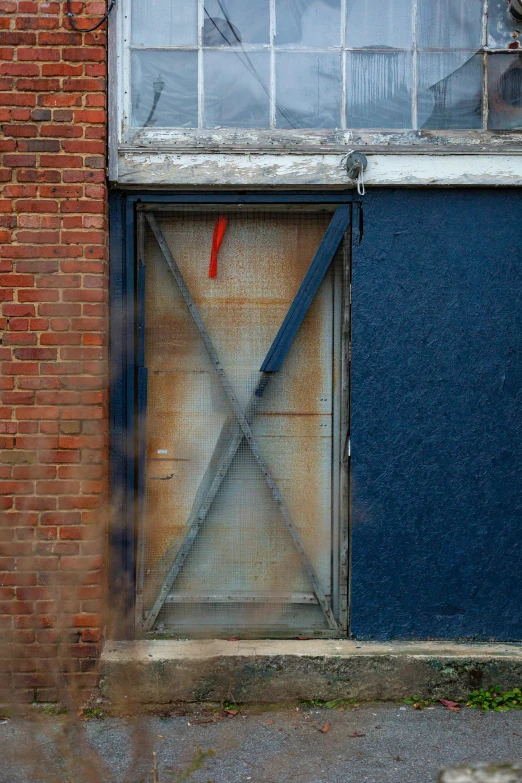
(494, 699)
(93, 712)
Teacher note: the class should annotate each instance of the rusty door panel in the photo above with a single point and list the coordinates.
(242, 548)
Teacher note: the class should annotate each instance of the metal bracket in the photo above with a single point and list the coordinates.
(354, 163)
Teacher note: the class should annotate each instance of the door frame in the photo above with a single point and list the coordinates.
(125, 359)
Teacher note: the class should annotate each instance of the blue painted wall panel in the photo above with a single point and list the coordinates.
(437, 416)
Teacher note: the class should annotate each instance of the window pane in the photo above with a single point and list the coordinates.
(391, 26)
(308, 90)
(164, 22)
(237, 89)
(449, 24)
(378, 90)
(164, 88)
(505, 91)
(502, 28)
(450, 90)
(308, 22)
(227, 21)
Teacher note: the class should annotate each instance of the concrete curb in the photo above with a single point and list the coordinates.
(163, 672)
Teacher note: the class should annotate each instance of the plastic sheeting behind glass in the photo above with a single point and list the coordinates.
(237, 93)
(227, 22)
(450, 90)
(314, 23)
(392, 26)
(279, 64)
(164, 89)
(308, 93)
(378, 91)
(450, 24)
(164, 23)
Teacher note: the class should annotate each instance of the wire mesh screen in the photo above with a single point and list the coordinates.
(241, 573)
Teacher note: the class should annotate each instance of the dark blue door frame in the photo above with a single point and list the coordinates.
(125, 360)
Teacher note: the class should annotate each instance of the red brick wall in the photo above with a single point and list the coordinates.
(53, 350)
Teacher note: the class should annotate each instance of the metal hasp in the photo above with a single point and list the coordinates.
(238, 425)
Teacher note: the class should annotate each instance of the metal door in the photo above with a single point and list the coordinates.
(243, 404)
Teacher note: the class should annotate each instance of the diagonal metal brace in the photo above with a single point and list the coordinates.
(230, 440)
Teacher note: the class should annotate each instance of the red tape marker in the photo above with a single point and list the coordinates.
(217, 239)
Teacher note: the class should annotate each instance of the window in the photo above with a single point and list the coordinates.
(319, 65)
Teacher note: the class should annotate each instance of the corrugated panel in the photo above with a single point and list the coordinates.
(242, 549)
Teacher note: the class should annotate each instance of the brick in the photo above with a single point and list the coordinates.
(81, 563)
(60, 99)
(35, 503)
(32, 295)
(59, 281)
(17, 39)
(40, 115)
(61, 309)
(36, 354)
(36, 205)
(61, 131)
(43, 145)
(38, 54)
(63, 115)
(41, 266)
(20, 161)
(38, 85)
(39, 383)
(58, 456)
(53, 271)
(59, 39)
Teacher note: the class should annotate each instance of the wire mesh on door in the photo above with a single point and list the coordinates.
(235, 535)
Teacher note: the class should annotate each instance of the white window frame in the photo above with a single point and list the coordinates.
(235, 157)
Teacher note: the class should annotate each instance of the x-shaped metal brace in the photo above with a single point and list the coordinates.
(238, 426)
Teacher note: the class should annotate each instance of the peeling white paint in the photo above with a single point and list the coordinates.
(257, 169)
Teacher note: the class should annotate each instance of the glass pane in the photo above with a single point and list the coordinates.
(505, 91)
(449, 24)
(378, 90)
(308, 22)
(237, 89)
(450, 90)
(227, 22)
(164, 89)
(164, 22)
(308, 91)
(503, 31)
(391, 26)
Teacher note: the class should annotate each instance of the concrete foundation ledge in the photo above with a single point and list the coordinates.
(163, 672)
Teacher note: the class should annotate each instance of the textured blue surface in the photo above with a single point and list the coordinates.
(437, 416)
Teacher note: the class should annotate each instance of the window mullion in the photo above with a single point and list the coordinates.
(343, 65)
(415, 72)
(485, 97)
(201, 14)
(272, 65)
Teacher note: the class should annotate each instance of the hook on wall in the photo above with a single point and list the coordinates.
(356, 164)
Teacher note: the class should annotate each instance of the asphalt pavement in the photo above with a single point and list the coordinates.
(371, 743)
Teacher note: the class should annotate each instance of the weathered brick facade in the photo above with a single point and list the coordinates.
(53, 354)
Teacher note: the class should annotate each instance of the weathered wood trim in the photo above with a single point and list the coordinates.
(309, 170)
(245, 140)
